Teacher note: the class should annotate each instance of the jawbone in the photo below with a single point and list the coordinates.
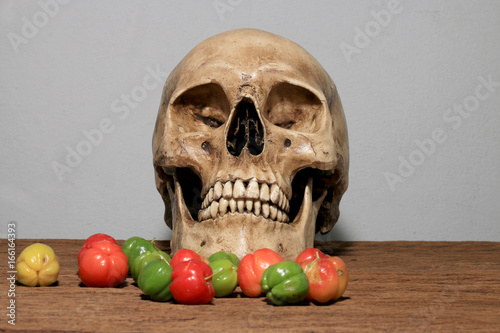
(243, 233)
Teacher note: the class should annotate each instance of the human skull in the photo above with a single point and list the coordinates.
(250, 146)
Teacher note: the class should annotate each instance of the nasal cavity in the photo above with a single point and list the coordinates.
(245, 130)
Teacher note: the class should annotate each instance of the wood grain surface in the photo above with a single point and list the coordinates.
(394, 287)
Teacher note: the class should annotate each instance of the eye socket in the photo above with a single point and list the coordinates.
(210, 121)
(286, 124)
(295, 108)
(202, 108)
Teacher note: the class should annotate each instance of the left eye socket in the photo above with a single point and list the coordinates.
(286, 124)
(295, 108)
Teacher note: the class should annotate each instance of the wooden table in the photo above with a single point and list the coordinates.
(394, 287)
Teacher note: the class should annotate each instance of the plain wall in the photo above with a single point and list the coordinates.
(419, 81)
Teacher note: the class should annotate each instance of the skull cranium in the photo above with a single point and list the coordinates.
(250, 146)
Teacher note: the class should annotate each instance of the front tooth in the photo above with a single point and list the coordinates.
(273, 212)
(279, 216)
(200, 215)
(253, 189)
(265, 209)
(249, 205)
(206, 214)
(223, 204)
(241, 205)
(217, 190)
(287, 206)
(205, 202)
(227, 192)
(239, 189)
(264, 193)
(275, 194)
(214, 209)
(256, 207)
(211, 195)
(287, 218)
(232, 205)
(281, 203)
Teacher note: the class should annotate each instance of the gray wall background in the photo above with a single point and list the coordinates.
(419, 81)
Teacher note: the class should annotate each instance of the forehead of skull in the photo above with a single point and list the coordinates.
(244, 56)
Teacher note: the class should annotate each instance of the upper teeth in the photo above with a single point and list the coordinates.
(257, 198)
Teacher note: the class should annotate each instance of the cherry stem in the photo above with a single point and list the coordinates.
(312, 263)
(201, 248)
(215, 273)
(165, 260)
(154, 245)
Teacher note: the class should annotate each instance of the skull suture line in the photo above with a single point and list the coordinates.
(250, 146)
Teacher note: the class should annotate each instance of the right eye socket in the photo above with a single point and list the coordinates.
(202, 108)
